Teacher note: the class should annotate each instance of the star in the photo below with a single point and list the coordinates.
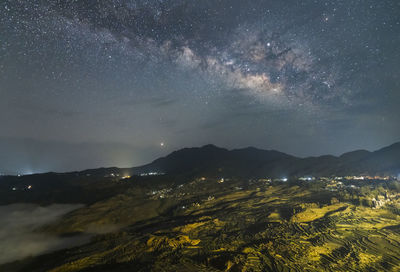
(104, 73)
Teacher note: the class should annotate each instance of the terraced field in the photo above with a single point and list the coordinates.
(233, 226)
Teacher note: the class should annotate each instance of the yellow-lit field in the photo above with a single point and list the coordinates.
(280, 227)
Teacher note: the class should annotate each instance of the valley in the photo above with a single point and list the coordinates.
(206, 225)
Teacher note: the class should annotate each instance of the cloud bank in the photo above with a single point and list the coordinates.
(19, 238)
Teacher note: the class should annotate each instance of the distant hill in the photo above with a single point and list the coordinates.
(250, 162)
(253, 162)
(212, 160)
(185, 164)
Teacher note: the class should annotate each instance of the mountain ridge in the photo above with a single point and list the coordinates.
(255, 162)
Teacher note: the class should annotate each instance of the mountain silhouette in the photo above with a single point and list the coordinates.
(254, 162)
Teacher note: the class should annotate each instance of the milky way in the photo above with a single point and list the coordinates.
(117, 78)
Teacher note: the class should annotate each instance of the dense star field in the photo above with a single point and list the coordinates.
(126, 81)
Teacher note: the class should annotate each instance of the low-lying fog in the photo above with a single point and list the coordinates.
(18, 238)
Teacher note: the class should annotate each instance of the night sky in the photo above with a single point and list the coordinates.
(120, 82)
